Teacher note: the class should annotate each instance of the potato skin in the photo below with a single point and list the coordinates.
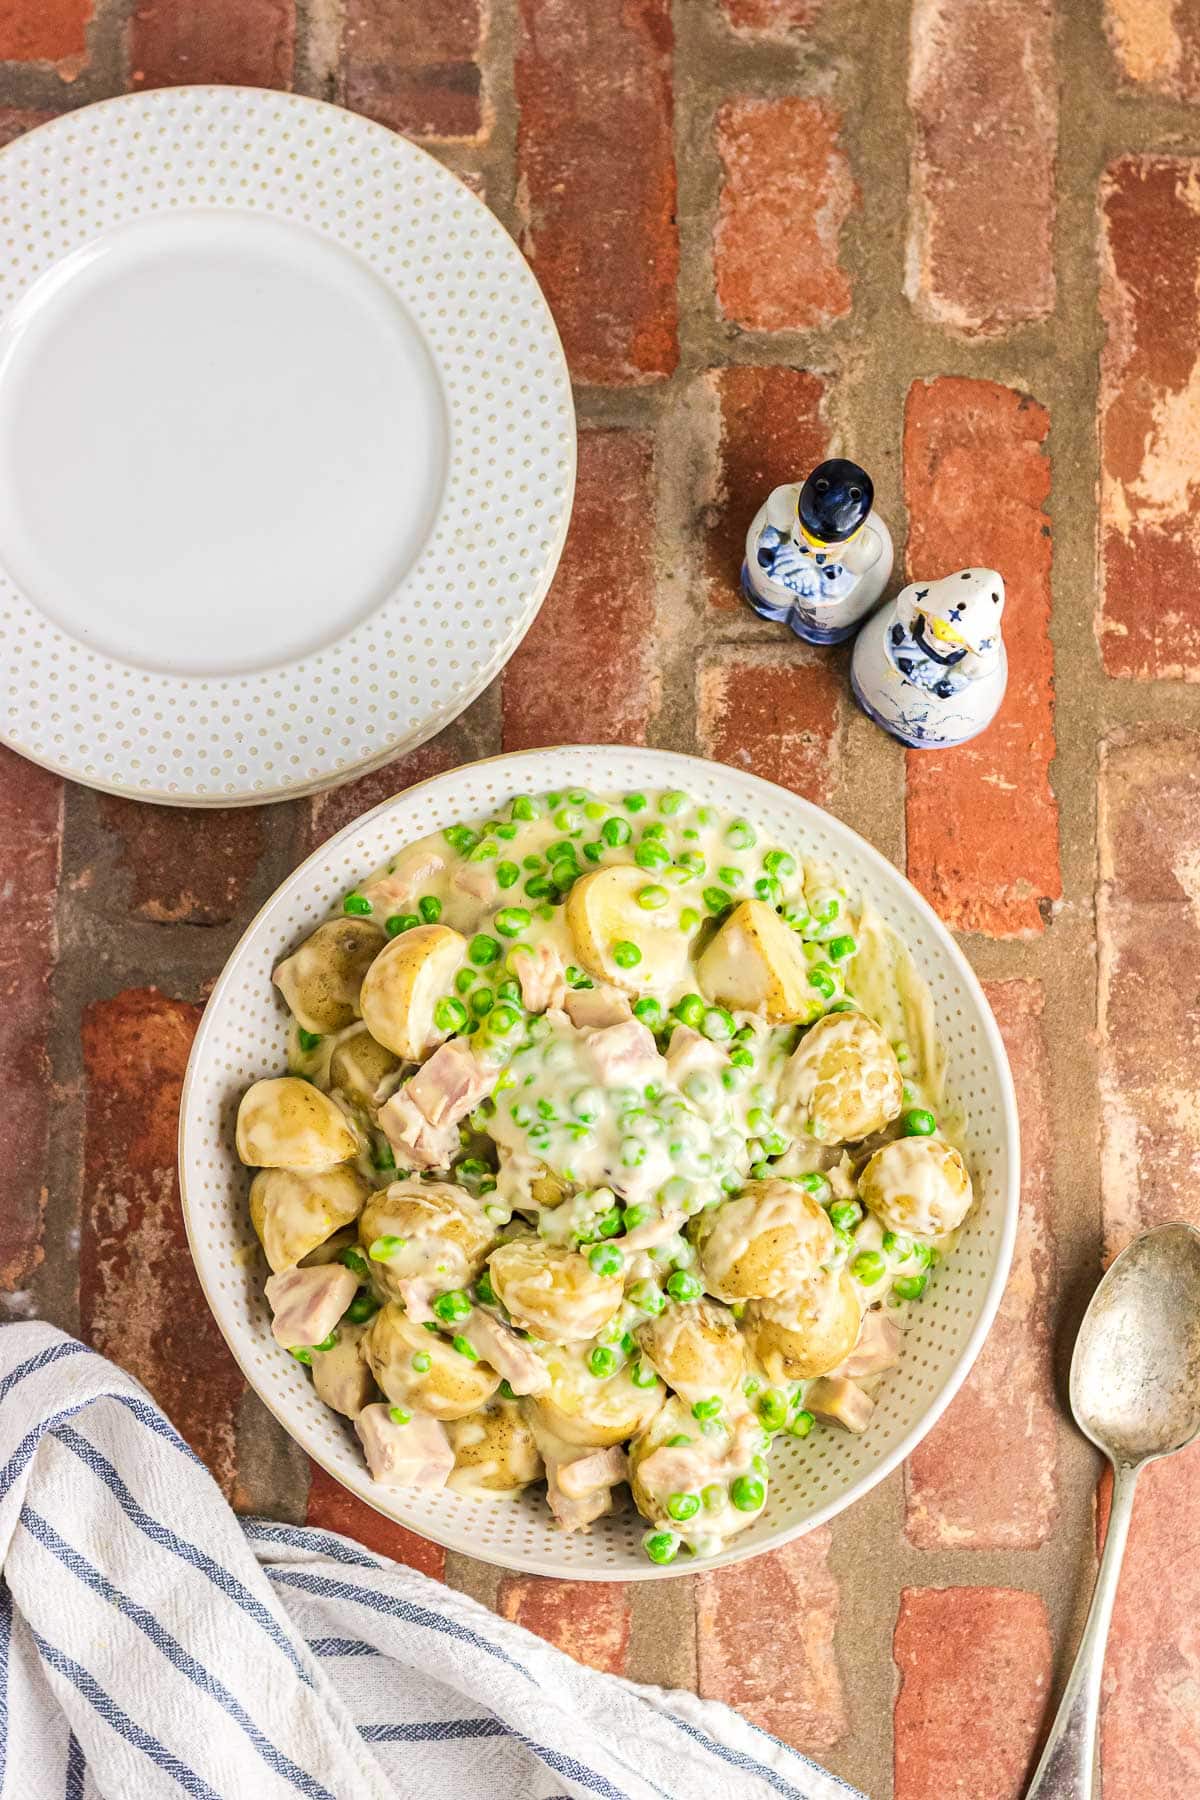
(286, 1123)
(766, 1241)
(446, 1234)
(807, 1333)
(450, 1388)
(842, 1081)
(917, 1185)
(696, 1349)
(493, 1451)
(322, 979)
(756, 963)
(552, 1291)
(580, 1409)
(293, 1213)
(359, 1065)
(402, 986)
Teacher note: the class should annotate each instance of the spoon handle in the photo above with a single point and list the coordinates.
(1067, 1767)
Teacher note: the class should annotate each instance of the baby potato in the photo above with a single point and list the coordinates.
(581, 1408)
(294, 1213)
(404, 984)
(842, 1082)
(632, 947)
(767, 1241)
(552, 1291)
(358, 1065)
(696, 1348)
(917, 1185)
(445, 1384)
(494, 1451)
(756, 963)
(321, 980)
(807, 1333)
(286, 1123)
(340, 1376)
(712, 1467)
(441, 1235)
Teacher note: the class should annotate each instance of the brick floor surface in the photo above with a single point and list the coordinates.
(959, 239)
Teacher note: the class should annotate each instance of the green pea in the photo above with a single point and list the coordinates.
(633, 1153)
(741, 835)
(466, 978)
(430, 908)
(652, 898)
(449, 1015)
(918, 1122)
(483, 950)
(649, 1011)
(901, 1051)
(454, 1305)
(796, 915)
(801, 1424)
(384, 1158)
(717, 899)
(647, 1297)
(839, 948)
(461, 838)
(845, 1214)
(729, 875)
(650, 854)
(363, 1307)
(422, 1362)
(567, 819)
(625, 954)
(677, 1442)
(642, 1375)
(815, 1183)
(301, 1354)
(868, 1267)
(747, 1492)
(465, 1349)
(401, 922)
(602, 1361)
(399, 1415)
(661, 1546)
(507, 1391)
(353, 1260)
(683, 1286)
(689, 918)
(507, 874)
(821, 978)
(707, 1409)
(672, 802)
(767, 888)
(635, 803)
(356, 904)
(487, 851)
(690, 1010)
(615, 832)
(484, 1291)
(693, 862)
(772, 1409)
(511, 921)
(909, 1287)
(717, 1024)
(605, 1259)
(683, 1506)
(326, 1343)
(895, 1245)
(779, 862)
(308, 1039)
(523, 807)
(538, 886)
(385, 1247)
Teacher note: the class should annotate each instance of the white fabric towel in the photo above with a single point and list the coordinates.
(152, 1644)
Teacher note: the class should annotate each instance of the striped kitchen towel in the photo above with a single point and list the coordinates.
(153, 1644)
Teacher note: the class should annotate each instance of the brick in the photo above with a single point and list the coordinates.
(1156, 44)
(337, 807)
(15, 121)
(139, 1299)
(772, 428)
(189, 866)
(53, 31)
(1150, 1722)
(982, 87)
(335, 1508)
(1148, 924)
(974, 1667)
(250, 42)
(986, 1477)
(775, 713)
(585, 672)
(596, 181)
(1148, 620)
(771, 18)
(414, 65)
(786, 194)
(983, 820)
(31, 809)
(589, 1620)
(746, 1616)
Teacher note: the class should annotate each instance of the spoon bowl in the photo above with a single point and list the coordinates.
(1135, 1374)
(1135, 1391)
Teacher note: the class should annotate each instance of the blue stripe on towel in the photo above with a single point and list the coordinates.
(76, 1769)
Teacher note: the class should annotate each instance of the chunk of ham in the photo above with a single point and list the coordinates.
(689, 1052)
(653, 1232)
(340, 1376)
(589, 1008)
(417, 1144)
(307, 1303)
(625, 1053)
(497, 1344)
(878, 1348)
(542, 977)
(411, 874)
(416, 1455)
(836, 1401)
(451, 1084)
(579, 1490)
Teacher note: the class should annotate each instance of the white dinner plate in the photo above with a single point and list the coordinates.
(287, 447)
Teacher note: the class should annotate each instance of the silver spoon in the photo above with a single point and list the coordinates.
(1135, 1391)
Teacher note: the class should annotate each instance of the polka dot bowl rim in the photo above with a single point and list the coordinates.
(392, 676)
(242, 1037)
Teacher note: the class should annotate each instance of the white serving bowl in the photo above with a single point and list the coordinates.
(242, 1037)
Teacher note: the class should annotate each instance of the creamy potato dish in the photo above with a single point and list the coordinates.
(611, 1147)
